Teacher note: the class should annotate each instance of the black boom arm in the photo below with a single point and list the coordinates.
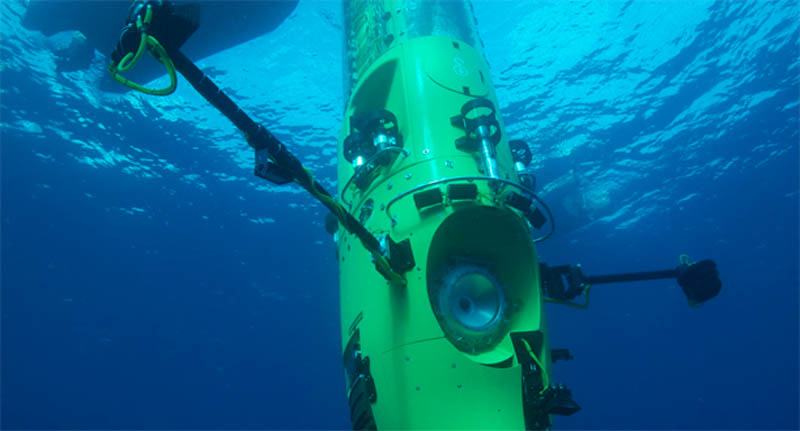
(699, 281)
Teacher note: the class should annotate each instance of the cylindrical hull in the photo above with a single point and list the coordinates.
(440, 349)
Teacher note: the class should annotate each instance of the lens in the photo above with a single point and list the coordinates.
(474, 300)
(471, 306)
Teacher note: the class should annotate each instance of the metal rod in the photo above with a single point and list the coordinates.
(631, 276)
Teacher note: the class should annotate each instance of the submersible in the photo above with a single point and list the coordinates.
(424, 161)
(442, 294)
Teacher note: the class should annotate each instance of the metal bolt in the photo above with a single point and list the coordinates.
(408, 176)
(448, 163)
(426, 151)
(389, 186)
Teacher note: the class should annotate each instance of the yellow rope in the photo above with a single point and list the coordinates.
(340, 212)
(583, 306)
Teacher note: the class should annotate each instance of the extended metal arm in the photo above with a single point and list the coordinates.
(700, 281)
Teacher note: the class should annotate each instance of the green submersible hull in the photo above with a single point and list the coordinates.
(424, 160)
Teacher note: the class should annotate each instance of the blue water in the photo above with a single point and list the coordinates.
(149, 281)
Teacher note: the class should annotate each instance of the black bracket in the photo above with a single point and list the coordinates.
(700, 281)
(428, 198)
(557, 400)
(399, 254)
(462, 191)
(553, 281)
(538, 401)
(525, 206)
(361, 393)
(471, 119)
(268, 170)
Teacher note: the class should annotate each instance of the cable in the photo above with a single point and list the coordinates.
(155, 49)
(368, 241)
(545, 376)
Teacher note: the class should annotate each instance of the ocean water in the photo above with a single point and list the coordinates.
(150, 281)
